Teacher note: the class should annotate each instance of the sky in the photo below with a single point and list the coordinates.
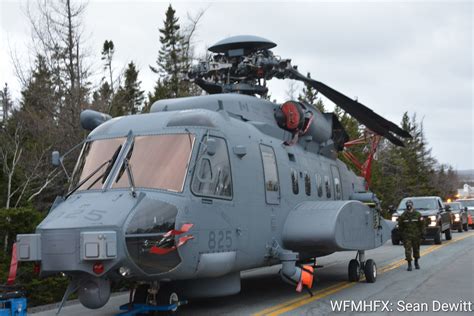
(392, 56)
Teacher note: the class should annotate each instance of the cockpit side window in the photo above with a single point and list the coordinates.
(307, 184)
(319, 185)
(327, 186)
(212, 176)
(270, 173)
(294, 181)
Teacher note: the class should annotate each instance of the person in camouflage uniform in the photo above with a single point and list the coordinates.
(412, 228)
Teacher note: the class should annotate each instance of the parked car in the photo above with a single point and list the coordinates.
(468, 204)
(459, 216)
(437, 218)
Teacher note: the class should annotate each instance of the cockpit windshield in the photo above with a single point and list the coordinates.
(156, 161)
(95, 160)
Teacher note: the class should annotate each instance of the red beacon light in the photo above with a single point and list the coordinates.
(98, 268)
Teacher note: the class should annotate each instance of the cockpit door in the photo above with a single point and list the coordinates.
(270, 175)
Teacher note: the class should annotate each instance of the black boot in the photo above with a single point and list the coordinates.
(417, 266)
(409, 266)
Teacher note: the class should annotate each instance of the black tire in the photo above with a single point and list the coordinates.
(395, 241)
(167, 295)
(447, 234)
(141, 294)
(464, 226)
(437, 238)
(354, 271)
(370, 271)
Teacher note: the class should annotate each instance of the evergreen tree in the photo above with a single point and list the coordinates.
(39, 97)
(405, 171)
(108, 51)
(170, 62)
(102, 98)
(309, 96)
(6, 102)
(160, 91)
(129, 98)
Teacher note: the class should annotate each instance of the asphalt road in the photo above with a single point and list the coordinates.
(446, 277)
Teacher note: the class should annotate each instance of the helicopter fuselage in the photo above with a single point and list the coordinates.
(231, 182)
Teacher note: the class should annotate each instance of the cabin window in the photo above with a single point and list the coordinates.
(212, 176)
(319, 185)
(307, 184)
(327, 186)
(270, 173)
(294, 181)
(337, 188)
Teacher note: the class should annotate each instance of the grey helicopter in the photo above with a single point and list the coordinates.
(182, 199)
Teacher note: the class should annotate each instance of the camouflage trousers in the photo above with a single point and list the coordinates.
(412, 245)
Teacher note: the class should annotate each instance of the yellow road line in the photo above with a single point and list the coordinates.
(295, 300)
(298, 302)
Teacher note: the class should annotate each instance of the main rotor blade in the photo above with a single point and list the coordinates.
(363, 114)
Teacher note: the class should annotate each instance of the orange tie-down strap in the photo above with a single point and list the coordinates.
(306, 278)
(181, 241)
(13, 267)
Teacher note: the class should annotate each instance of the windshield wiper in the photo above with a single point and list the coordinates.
(88, 178)
(131, 182)
(103, 176)
(126, 166)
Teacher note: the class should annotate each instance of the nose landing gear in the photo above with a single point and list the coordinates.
(359, 266)
(146, 299)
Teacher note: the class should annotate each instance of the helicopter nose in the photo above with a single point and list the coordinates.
(101, 233)
(150, 236)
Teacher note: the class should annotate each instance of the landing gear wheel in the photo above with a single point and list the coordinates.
(464, 226)
(437, 238)
(370, 271)
(354, 271)
(141, 294)
(395, 241)
(447, 234)
(167, 295)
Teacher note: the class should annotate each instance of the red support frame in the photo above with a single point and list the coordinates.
(365, 168)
